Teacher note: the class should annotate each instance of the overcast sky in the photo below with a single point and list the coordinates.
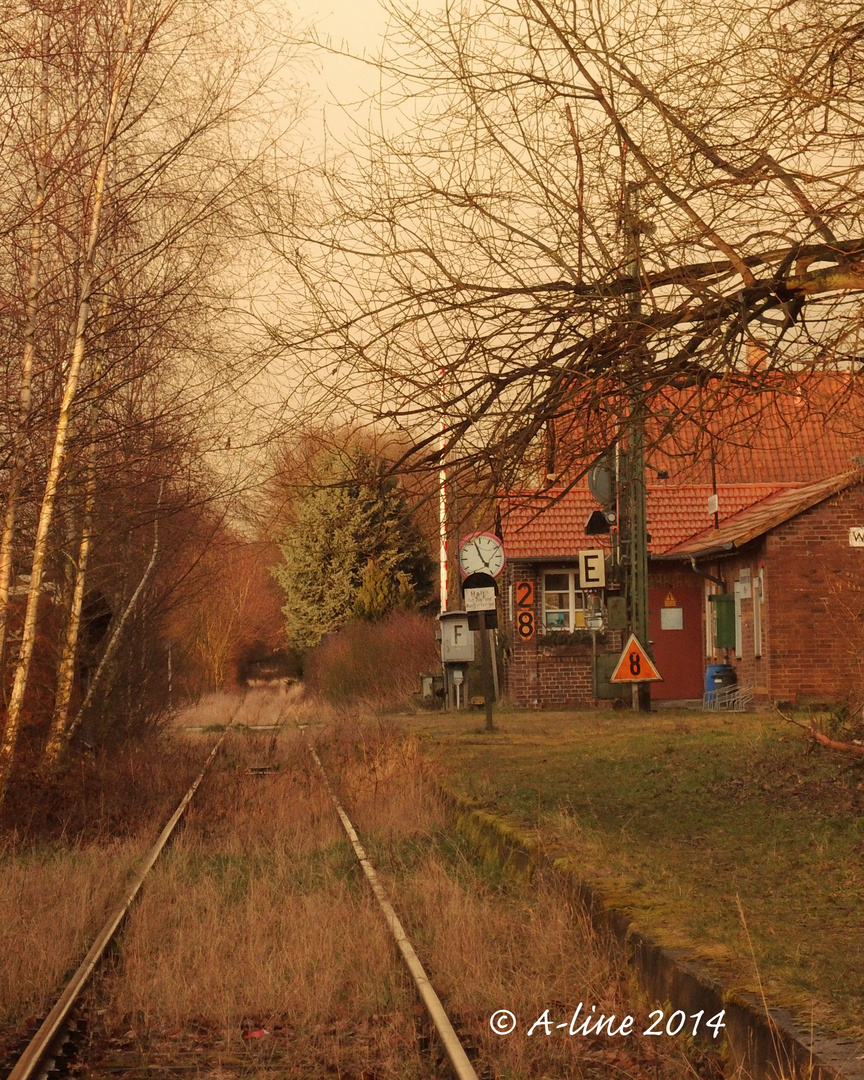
(355, 26)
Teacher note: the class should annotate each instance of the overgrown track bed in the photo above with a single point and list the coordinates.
(257, 949)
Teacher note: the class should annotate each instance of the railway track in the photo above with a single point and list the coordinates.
(60, 1042)
(53, 1044)
(262, 947)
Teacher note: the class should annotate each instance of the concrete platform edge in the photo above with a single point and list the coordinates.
(763, 1045)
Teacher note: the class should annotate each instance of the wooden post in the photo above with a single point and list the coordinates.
(494, 650)
(488, 683)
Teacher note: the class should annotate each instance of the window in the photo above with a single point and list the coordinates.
(563, 601)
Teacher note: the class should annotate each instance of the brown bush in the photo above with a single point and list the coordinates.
(377, 664)
(102, 797)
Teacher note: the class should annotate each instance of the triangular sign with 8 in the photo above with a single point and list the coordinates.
(635, 665)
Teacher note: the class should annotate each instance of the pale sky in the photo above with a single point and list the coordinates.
(356, 26)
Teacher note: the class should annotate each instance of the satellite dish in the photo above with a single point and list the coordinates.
(601, 480)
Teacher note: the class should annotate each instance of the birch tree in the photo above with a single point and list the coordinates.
(18, 458)
(134, 206)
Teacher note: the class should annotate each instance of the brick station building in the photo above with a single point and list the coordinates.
(786, 556)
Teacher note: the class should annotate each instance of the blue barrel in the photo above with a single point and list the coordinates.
(718, 676)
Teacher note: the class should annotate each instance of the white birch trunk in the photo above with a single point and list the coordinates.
(66, 666)
(16, 472)
(28, 637)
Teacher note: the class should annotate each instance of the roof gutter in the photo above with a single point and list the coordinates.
(705, 574)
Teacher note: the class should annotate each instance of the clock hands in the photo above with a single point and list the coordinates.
(480, 555)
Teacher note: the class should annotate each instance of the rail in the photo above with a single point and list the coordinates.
(455, 1051)
(44, 1042)
(37, 1058)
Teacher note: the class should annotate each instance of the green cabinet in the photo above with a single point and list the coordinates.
(724, 620)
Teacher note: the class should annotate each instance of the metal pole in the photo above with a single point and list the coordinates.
(636, 501)
(493, 645)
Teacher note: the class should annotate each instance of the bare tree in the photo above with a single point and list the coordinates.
(133, 203)
(568, 213)
(18, 456)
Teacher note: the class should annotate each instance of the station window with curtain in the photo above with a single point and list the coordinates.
(563, 601)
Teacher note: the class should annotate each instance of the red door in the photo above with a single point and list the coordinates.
(675, 625)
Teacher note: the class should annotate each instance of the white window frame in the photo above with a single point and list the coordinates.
(758, 601)
(739, 637)
(710, 648)
(576, 599)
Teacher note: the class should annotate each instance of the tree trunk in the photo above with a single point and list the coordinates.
(66, 666)
(115, 636)
(28, 636)
(18, 462)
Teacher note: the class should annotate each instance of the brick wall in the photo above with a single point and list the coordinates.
(812, 606)
(815, 589)
(812, 617)
(538, 675)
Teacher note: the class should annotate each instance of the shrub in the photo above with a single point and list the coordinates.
(377, 663)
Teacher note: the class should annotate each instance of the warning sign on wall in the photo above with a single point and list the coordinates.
(635, 665)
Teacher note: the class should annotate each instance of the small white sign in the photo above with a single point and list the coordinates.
(671, 618)
(856, 536)
(713, 504)
(592, 569)
(457, 641)
(745, 581)
(480, 599)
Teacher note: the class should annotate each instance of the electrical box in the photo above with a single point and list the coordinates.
(604, 689)
(616, 612)
(723, 605)
(457, 641)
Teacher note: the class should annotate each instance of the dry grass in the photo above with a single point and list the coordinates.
(259, 917)
(52, 902)
(70, 854)
(247, 708)
(375, 663)
(493, 943)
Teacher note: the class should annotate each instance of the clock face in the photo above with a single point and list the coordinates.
(482, 553)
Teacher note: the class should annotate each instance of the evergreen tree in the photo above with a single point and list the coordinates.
(352, 548)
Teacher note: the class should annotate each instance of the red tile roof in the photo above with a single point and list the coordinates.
(809, 427)
(771, 453)
(553, 525)
(789, 443)
(757, 519)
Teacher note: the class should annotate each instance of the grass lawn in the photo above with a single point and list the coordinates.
(689, 822)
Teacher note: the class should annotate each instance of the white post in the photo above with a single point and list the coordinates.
(442, 503)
